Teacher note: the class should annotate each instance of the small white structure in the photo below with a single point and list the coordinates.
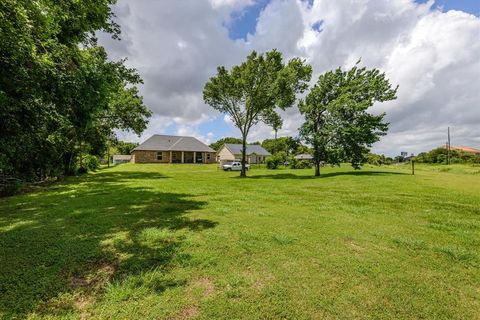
(304, 156)
(121, 158)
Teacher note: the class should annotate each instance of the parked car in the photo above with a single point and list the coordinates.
(235, 166)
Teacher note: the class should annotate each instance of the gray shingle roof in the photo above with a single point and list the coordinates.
(251, 149)
(173, 143)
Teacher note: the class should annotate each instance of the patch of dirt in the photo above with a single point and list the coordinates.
(207, 286)
(355, 247)
(90, 284)
(82, 303)
(100, 273)
(189, 312)
(264, 281)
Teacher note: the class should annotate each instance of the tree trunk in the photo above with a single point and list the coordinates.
(275, 143)
(317, 168)
(243, 173)
(317, 158)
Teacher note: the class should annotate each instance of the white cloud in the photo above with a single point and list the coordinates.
(432, 55)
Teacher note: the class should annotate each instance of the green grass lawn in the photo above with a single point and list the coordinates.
(191, 241)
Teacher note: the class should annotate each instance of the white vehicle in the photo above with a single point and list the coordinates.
(235, 166)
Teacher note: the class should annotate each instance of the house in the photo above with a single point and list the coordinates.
(304, 156)
(121, 158)
(466, 150)
(233, 152)
(172, 149)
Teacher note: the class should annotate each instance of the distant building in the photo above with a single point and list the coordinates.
(121, 158)
(304, 156)
(172, 149)
(466, 150)
(233, 152)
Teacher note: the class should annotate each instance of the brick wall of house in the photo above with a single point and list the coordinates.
(139, 156)
(213, 157)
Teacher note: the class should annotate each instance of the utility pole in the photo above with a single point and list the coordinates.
(448, 147)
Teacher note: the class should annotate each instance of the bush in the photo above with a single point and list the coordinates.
(377, 160)
(439, 156)
(276, 160)
(89, 163)
(300, 164)
(272, 163)
(9, 186)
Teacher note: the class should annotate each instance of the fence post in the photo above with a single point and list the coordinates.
(413, 167)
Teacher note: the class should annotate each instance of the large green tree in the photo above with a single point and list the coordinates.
(59, 94)
(289, 145)
(337, 123)
(252, 91)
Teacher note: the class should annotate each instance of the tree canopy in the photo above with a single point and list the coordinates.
(289, 145)
(252, 91)
(60, 95)
(337, 122)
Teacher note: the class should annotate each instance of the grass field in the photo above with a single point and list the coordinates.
(190, 241)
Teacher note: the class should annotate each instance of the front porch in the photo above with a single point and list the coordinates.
(188, 157)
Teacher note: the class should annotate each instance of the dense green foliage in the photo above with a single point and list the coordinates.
(288, 145)
(377, 160)
(158, 242)
(276, 160)
(122, 147)
(219, 143)
(337, 123)
(299, 164)
(439, 155)
(252, 91)
(60, 97)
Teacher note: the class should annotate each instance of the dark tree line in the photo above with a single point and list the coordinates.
(60, 96)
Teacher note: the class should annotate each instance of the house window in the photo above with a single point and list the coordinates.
(159, 155)
(208, 156)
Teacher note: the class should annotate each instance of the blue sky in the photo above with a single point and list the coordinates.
(244, 22)
(432, 57)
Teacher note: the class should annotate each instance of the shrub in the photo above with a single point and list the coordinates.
(439, 156)
(9, 186)
(276, 160)
(300, 164)
(89, 163)
(272, 163)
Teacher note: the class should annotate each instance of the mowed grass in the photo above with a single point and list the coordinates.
(193, 242)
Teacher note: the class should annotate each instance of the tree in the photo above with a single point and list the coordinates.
(276, 124)
(60, 96)
(252, 91)
(287, 144)
(124, 147)
(219, 143)
(337, 123)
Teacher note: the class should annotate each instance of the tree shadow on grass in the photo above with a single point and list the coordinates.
(324, 175)
(73, 239)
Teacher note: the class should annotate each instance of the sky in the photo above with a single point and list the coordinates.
(431, 49)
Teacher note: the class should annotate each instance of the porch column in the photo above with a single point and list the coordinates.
(170, 156)
(183, 156)
(194, 157)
